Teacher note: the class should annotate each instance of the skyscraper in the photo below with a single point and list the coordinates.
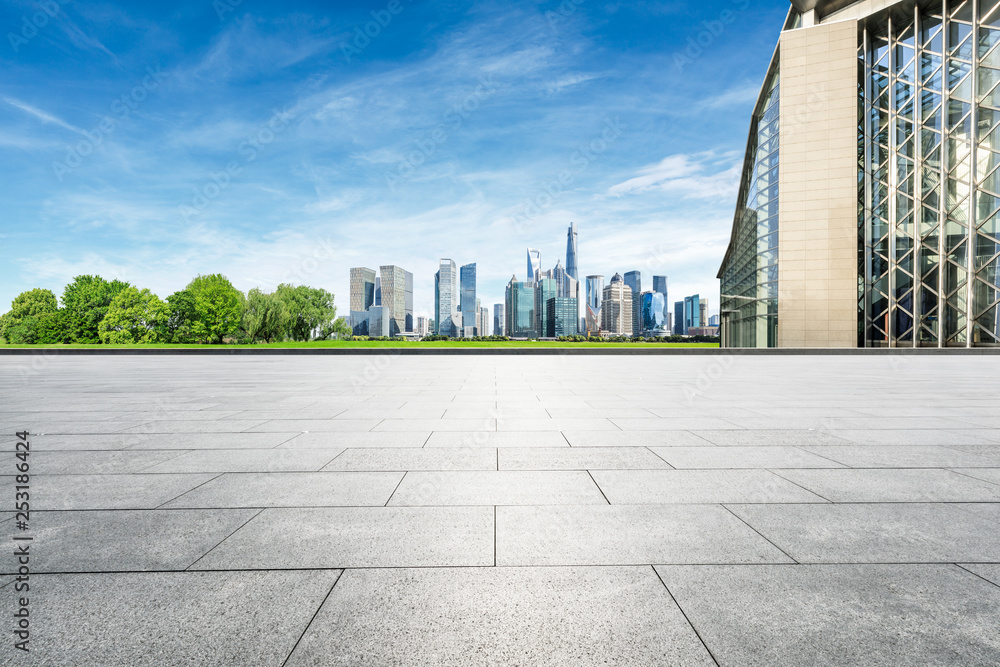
(616, 308)
(653, 320)
(520, 309)
(484, 321)
(545, 289)
(446, 298)
(468, 299)
(692, 312)
(595, 292)
(679, 318)
(362, 298)
(499, 321)
(660, 285)
(633, 280)
(534, 264)
(572, 269)
(397, 299)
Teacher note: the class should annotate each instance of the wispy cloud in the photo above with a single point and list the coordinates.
(41, 115)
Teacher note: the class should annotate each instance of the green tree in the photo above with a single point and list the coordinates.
(21, 323)
(265, 317)
(340, 328)
(179, 326)
(133, 317)
(86, 301)
(218, 308)
(311, 311)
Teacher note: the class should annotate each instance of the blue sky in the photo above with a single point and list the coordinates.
(287, 142)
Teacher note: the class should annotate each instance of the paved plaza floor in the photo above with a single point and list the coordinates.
(505, 510)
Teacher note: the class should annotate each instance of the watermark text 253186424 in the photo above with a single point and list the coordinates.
(22, 541)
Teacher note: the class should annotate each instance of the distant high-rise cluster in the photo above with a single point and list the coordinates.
(381, 305)
(546, 305)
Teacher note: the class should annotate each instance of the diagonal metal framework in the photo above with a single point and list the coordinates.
(929, 175)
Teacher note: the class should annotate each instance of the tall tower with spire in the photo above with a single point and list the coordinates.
(572, 269)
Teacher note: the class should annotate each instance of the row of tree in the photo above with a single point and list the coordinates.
(208, 310)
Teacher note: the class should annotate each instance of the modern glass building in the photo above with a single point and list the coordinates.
(470, 311)
(633, 280)
(446, 298)
(362, 288)
(499, 321)
(616, 308)
(397, 300)
(520, 309)
(560, 313)
(885, 211)
(572, 261)
(679, 329)
(692, 312)
(545, 290)
(595, 292)
(652, 308)
(534, 264)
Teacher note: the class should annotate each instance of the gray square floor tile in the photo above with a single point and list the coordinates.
(901, 456)
(839, 614)
(96, 462)
(634, 439)
(501, 616)
(243, 618)
(914, 437)
(209, 426)
(293, 489)
(129, 540)
(497, 488)
(549, 424)
(893, 485)
(359, 537)
(430, 458)
(991, 475)
(769, 438)
(407, 425)
(875, 533)
(248, 460)
(629, 487)
(579, 458)
(742, 457)
(628, 535)
(986, 510)
(336, 440)
(211, 441)
(498, 439)
(673, 424)
(314, 426)
(91, 492)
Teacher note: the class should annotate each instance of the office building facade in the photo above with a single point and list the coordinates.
(467, 300)
(595, 293)
(545, 290)
(534, 264)
(881, 227)
(692, 312)
(633, 280)
(561, 316)
(499, 321)
(679, 318)
(519, 305)
(652, 321)
(572, 260)
(660, 286)
(397, 299)
(446, 298)
(616, 308)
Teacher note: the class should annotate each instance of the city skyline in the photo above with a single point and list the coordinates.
(311, 131)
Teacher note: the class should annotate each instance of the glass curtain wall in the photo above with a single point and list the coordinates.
(929, 159)
(750, 272)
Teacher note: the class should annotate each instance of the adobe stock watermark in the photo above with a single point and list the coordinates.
(365, 33)
(31, 24)
(218, 181)
(565, 9)
(707, 377)
(121, 110)
(223, 7)
(579, 161)
(711, 31)
(451, 121)
(307, 266)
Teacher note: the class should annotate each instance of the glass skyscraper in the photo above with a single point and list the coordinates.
(534, 264)
(545, 290)
(633, 280)
(572, 265)
(560, 313)
(520, 309)
(397, 299)
(446, 298)
(595, 293)
(652, 309)
(499, 321)
(470, 312)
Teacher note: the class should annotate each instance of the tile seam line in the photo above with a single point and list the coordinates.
(771, 470)
(396, 488)
(765, 538)
(313, 618)
(684, 614)
(184, 493)
(219, 543)
(976, 574)
(603, 495)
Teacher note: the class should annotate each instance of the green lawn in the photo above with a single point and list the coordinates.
(347, 344)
